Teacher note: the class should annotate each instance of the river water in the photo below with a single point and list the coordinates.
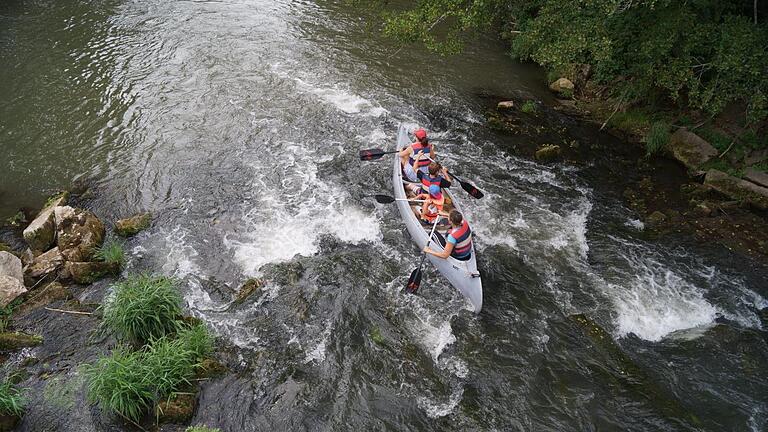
(237, 124)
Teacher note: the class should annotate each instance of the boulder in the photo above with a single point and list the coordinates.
(505, 105)
(41, 233)
(86, 272)
(690, 149)
(10, 265)
(10, 288)
(43, 266)
(79, 232)
(548, 152)
(758, 177)
(737, 188)
(562, 85)
(132, 225)
(27, 257)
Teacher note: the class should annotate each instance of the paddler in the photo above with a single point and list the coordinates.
(408, 154)
(458, 243)
(436, 174)
(433, 204)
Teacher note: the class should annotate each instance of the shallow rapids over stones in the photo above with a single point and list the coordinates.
(237, 125)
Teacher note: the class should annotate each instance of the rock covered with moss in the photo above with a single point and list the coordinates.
(79, 233)
(548, 153)
(737, 189)
(132, 225)
(690, 149)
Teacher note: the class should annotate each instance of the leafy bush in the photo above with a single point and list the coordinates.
(121, 383)
(142, 308)
(112, 252)
(528, 107)
(11, 400)
(657, 137)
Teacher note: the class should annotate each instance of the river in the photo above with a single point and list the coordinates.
(237, 124)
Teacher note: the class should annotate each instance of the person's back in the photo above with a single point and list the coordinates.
(460, 236)
(408, 155)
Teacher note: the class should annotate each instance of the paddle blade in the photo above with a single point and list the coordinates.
(371, 154)
(471, 190)
(414, 281)
(384, 199)
(440, 239)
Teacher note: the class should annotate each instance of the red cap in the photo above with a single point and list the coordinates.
(420, 133)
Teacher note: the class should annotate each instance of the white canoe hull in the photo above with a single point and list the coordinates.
(461, 274)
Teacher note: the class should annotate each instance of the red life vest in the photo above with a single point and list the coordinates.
(417, 148)
(463, 235)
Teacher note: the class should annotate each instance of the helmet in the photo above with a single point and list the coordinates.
(420, 134)
(434, 190)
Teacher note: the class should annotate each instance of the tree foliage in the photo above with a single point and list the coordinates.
(703, 54)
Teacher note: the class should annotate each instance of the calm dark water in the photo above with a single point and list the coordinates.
(237, 123)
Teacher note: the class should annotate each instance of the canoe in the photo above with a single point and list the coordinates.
(463, 275)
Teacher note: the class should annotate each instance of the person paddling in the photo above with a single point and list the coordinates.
(437, 175)
(408, 154)
(433, 204)
(459, 241)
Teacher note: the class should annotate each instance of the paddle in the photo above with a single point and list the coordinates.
(386, 199)
(415, 280)
(375, 153)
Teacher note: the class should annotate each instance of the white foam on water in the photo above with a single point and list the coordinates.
(288, 221)
(437, 409)
(341, 98)
(656, 301)
(180, 257)
(317, 354)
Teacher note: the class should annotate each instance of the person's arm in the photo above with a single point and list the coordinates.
(432, 152)
(416, 161)
(404, 155)
(444, 254)
(446, 176)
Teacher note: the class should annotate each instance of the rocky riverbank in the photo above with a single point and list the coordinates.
(678, 189)
(55, 274)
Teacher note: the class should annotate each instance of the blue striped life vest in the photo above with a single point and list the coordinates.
(418, 147)
(463, 247)
(427, 181)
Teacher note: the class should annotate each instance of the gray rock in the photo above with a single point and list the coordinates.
(44, 266)
(41, 233)
(10, 288)
(758, 177)
(547, 153)
(10, 265)
(132, 225)
(690, 149)
(79, 233)
(737, 189)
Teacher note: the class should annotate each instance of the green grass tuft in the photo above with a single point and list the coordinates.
(201, 428)
(657, 137)
(142, 308)
(121, 383)
(112, 252)
(12, 402)
(528, 107)
(170, 363)
(198, 340)
(631, 121)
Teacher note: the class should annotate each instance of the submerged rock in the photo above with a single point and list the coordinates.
(249, 287)
(10, 341)
(132, 225)
(41, 233)
(10, 265)
(737, 188)
(10, 288)
(690, 149)
(40, 297)
(44, 266)
(79, 232)
(210, 368)
(178, 408)
(548, 153)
